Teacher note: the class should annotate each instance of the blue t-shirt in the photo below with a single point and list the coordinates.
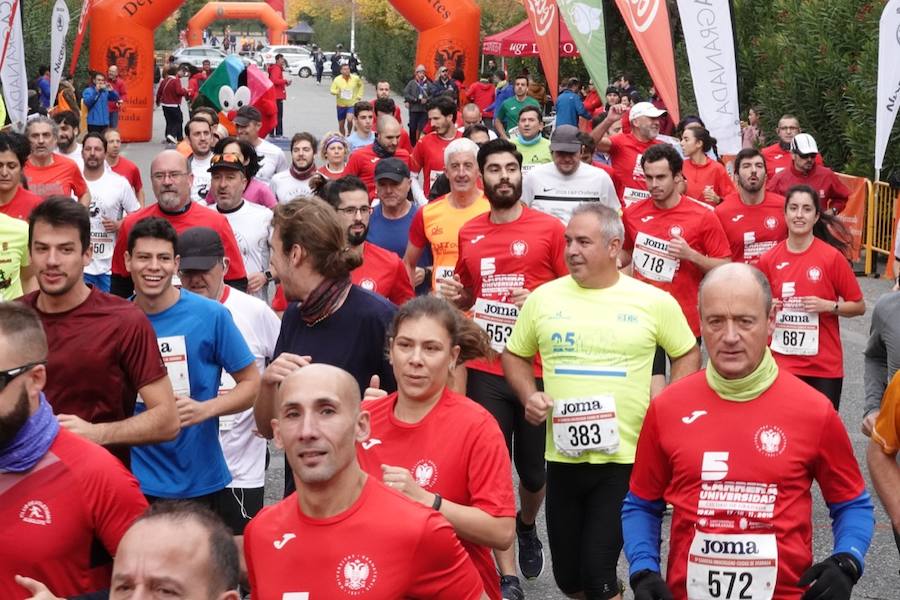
(197, 338)
(357, 141)
(393, 235)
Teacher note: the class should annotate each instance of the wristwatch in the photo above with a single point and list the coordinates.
(436, 505)
(269, 276)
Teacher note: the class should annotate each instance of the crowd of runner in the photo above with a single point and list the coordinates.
(410, 314)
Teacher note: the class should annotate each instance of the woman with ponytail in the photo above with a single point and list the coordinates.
(707, 179)
(438, 447)
(812, 285)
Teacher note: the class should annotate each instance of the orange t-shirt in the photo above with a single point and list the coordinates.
(438, 224)
(887, 426)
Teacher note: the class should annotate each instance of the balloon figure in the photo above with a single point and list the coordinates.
(232, 86)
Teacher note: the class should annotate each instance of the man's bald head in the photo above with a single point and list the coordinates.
(165, 160)
(170, 176)
(323, 378)
(737, 276)
(471, 114)
(387, 123)
(388, 133)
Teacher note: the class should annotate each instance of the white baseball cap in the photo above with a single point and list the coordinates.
(645, 109)
(803, 143)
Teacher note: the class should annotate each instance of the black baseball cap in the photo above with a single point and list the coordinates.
(247, 113)
(225, 161)
(391, 168)
(200, 248)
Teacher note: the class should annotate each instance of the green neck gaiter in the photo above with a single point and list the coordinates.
(745, 388)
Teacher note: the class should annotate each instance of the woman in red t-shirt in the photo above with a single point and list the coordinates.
(335, 151)
(707, 179)
(438, 447)
(812, 285)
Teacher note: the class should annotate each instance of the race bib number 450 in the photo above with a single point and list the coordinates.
(585, 424)
(652, 260)
(732, 567)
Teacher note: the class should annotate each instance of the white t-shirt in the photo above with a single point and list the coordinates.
(545, 189)
(252, 225)
(245, 452)
(112, 197)
(272, 160)
(202, 177)
(75, 155)
(286, 187)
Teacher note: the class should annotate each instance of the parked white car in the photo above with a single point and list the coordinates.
(192, 57)
(293, 54)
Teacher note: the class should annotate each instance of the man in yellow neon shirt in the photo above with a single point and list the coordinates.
(347, 88)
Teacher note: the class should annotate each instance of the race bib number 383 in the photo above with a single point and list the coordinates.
(732, 567)
(585, 424)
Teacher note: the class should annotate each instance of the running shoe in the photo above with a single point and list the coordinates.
(510, 588)
(531, 552)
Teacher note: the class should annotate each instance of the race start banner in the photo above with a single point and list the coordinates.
(586, 24)
(888, 96)
(544, 19)
(709, 38)
(648, 22)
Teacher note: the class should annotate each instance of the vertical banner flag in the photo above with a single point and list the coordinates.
(585, 21)
(544, 19)
(12, 72)
(59, 27)
(648, 22)
(79, 35)
(709, 38)
(888, 80)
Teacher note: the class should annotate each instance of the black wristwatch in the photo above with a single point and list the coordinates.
(436, 505)
(268, 275)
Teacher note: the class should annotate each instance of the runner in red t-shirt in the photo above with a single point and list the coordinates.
(626, 149)
(381, 272)
(122, 165)
(503, 255)
(735, 450)
(469, 480)
(15, 200)
(383, 90)
(334, 151)
(672, 240)
(753, 219)
(47, 172)
(812, 284)
(803, 170)
(778, 155)
(387, 138)
(706, 179)
(367, 540)
(429, 151)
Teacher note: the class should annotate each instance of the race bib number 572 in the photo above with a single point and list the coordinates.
(732, 567)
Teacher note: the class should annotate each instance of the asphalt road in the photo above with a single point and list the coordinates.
(310, 107)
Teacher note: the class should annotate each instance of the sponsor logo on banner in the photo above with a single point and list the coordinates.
(642, 13)
(544, 12)
(123, 52)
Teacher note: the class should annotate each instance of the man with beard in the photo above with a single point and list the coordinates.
(111, 199)
(387, 139)
(122, 165)
(557, 187)
(753, 219)
(67, 142)
(94, 333)
(251, 223)
(294, 182)
(381, 271)
(778, 155)
(199, 136)
(272, 160)
(804, 170)
(671, 240)
(525, 249)
(171, 179)
(437, 223)
(625, 149)
(387, 107)
(429, 152)
(66, 502)
(49, 173)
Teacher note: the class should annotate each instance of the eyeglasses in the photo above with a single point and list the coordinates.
(167, 175)
(789, 128)
(351, 211)
(7, 376)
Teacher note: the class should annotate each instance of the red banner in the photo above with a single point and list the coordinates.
(544, 19)
(648, 22)
(79, 36)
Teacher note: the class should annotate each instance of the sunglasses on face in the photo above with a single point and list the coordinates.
(7, 376)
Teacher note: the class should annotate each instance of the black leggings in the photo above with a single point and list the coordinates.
(830, 386)
(173, 122)
(279, 124)
(584, 525)
(524, 441)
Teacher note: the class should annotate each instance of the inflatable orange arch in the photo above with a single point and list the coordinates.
(122, 34)
(214, 11)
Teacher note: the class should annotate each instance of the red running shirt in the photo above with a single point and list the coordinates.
(820, 271)
(362, 164)
(61, 177)
(383, 273)
(429, 156)
(64, 518)
(742, 469)
(21, 205)
(711, 174)
(496, 258)
(648, 231)
(195, 216)
(384, 547)
(752, 230)
(129, 171)
(626, 152)
(473, 470)
(778, 159)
